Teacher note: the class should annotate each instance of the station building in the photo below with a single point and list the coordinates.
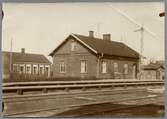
(90, 57)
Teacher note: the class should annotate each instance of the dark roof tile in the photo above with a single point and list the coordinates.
(26, 57)
(108, 47)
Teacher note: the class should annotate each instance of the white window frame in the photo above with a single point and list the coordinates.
(35, 65)
(41, 66)
(116, 70)
(73, 46)
(28, 65)
(22, 65)
(62, 65)
(126, 69)
(104, 67)
(15, 66)
(83, 66)
(47, 66)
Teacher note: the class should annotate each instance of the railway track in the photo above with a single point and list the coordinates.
(44, 83)
(45, 87)
(43, 97)
(85, 113)
(116, 97)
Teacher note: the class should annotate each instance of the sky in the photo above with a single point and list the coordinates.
(41, 27)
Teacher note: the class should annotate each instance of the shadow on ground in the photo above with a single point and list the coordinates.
(115, 110)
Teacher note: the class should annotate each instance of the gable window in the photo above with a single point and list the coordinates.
(73, 46)
(125, 68)
(104, 67)
(83, 66)
(62, 67)
(28, 69)
(115, 67)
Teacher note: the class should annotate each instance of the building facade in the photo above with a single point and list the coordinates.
(90, 57)
(25, 64)
(153, 71)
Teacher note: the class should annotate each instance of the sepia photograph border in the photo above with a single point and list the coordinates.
(65, 1)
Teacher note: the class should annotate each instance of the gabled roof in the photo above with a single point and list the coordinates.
(152, 66)
(26, 57)
(105, 47)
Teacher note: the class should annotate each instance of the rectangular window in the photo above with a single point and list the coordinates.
(15, 68)
(35, 69)
(47, 70)
(62, 67)
(41, 70)
(28, 69)
(73, 46)
(83, 66)
(21, 68)
(125, 69)
(115, 67)
(104, 67)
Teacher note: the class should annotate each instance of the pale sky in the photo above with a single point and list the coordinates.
(39, 28)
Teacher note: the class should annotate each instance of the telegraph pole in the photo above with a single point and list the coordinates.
(141, 29)
(98, 29)
(11, 45)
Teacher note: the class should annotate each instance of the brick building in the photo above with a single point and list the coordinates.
(87, 56)
(26, 64)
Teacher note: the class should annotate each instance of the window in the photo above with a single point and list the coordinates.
(35, 69)
(62, 67)
(125, 69)
(47, 70)
(73, 46)
(28, 69)
(83, 66)
(104, 67)
(15, 68)
(22, 68)
(41, 70)
(115, 67)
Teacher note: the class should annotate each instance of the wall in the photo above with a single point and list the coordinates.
(149, 74)
(110, 69)
(72, 61)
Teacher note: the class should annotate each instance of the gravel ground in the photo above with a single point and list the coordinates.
(115, 110)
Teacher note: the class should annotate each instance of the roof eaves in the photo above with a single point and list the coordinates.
(57, 47)
(84, 43)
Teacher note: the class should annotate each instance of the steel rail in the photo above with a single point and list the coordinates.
(24, 98)
(74, 82)
(20, 89)
(72, 106)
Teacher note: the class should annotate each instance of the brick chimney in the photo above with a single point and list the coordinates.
(106, 36)
(23, 50)
(91, 33)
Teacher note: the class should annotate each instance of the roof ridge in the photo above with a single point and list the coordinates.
(98, 38)
(21, 53)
